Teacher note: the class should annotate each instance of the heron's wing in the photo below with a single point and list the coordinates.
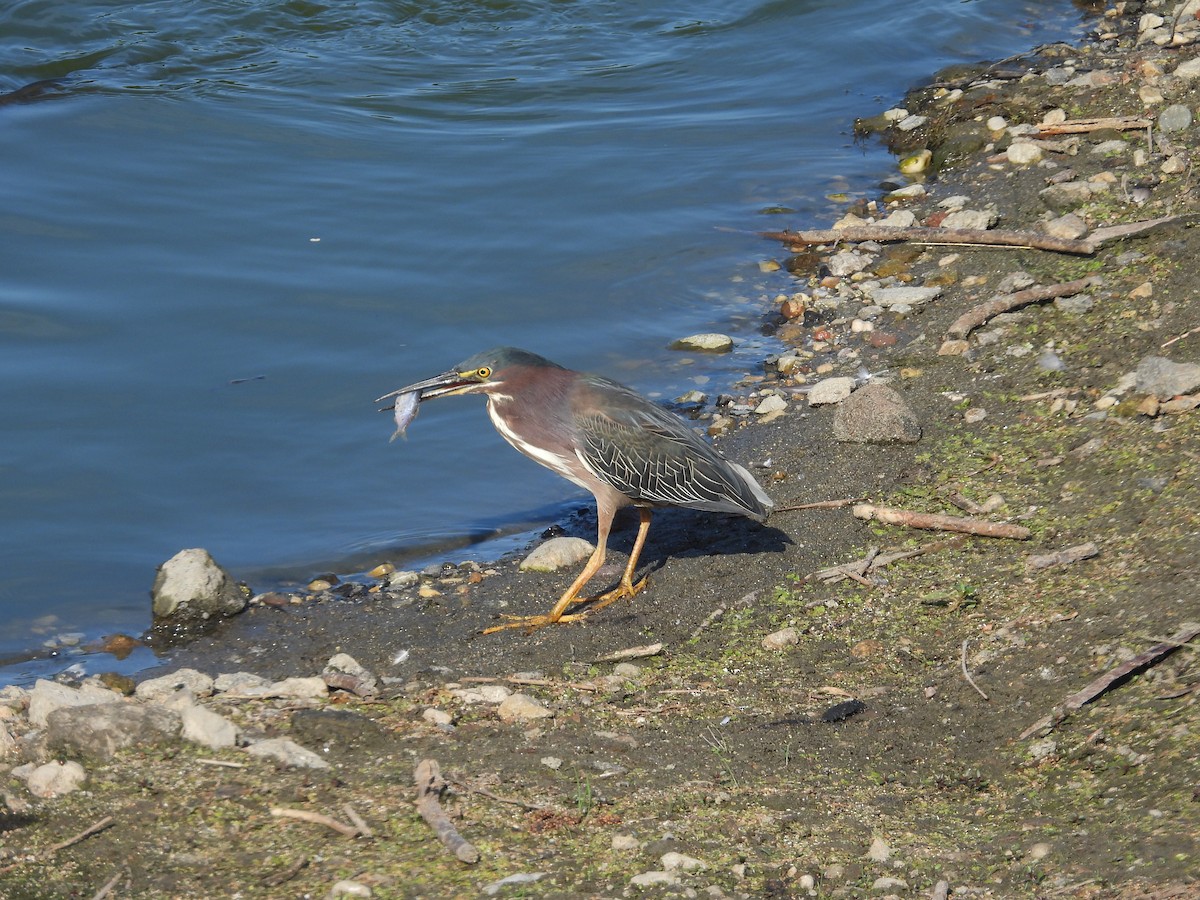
(651, 455)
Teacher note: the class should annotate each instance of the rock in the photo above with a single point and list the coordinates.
(1068, 226)
(207, 728)
(625, 843)
(901, 218)
(7, 743)
(782, 639)
(239, 681)
(876, 414)
(48, 696)
(974, 219)
(1023, 153)
(518, 878)
(436, 716)
(1075, 306)
(974, 415)
(1039, 851)
(160, 690)
(917, 163)
(705, 343)
(1165, 379)
(522, 708)
(771, 403)
(1066, 196)
(879, 851)
(654, 879)
(345, 673)
(348, 888)
(288, 753)
(100, 731)
(846, 262)
(1175, 117)
(830, 390)
(1188, 70)
(55, 779)
(888, 883)
(557, 553)
(679, 862)
(191, 587)
(907, 296)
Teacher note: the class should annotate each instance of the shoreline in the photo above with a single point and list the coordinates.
(720, 731)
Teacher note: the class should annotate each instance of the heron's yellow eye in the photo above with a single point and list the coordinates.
(484, 372)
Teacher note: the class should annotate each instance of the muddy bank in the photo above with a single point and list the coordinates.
(720, 766)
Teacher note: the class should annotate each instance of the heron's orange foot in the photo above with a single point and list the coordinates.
(533, 623)
(622, 591)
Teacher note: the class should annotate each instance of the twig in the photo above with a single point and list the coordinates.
(996, 237)
(837, 573)
(973, 318)
(203, 760)
(428, 777)
(821, 504)
(287, 874)
(483, 792)
(967, 674)
(1099, 685)
(708, 620)
(935, 522)
(632, 653)
(1179, 337)
(108, 886)
(1083, 126)
(1063, 557)
(316, 818)
(83, 835)
(359, 822)
(1130, 229)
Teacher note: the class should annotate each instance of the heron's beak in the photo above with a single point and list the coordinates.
(445, 385)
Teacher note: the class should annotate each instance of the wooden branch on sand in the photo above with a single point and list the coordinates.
(980, 315)
(935, 522)
(428, 776)
(305, 815)
(997, 237)
(1098, 686)
(1084, 126)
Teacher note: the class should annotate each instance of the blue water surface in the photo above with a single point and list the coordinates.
(232, 225)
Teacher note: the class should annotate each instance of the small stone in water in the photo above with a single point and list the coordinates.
(406, 410)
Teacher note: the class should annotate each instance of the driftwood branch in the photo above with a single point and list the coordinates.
(935, 522)
(1129, 229)
(973, 318)
(428, 777)
(966, 672)
(997, 237)
(874, 560)
(1099, 685)
(1084, 126)
(317, 819)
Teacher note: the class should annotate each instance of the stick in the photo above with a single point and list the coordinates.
(632, 653)
(934, 522)
(973, 318)
(821, 504)
(1178, 337)
(1099, 685)
(967, 674)
(83, 835)
(220, 762)
(837, 573)
(430, 784)
(109, 885)
(352, 814)
(1083, 126)
(1063, 557)
(1114, 232)
(483, 792)
(316, 818)
(996, 237)
(287, 874)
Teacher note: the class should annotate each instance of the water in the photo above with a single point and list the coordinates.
(238, 223)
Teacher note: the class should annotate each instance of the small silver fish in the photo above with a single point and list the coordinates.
(406, 411)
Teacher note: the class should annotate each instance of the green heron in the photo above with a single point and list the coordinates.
(602, 436)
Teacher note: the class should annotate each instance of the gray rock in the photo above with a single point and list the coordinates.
(55, 779)
(349, 888)
(1189, 70)
(654, 879)
(1068, 226)
(1175, 117)
(876, 414)
(237, 681)
(975, 219)
(101, 730)
(830, 390)
(522, 708)
(207, 728)
(888, 883)
(705, 343)
(162, 689)
(1075, 306)
(7, 743)
(288, 753)
(1165, 379)
(907, 296)
(847, 262)
(1066, 196)
(191, 587)
(519, 878)
(556, 554)
(771, 403)
(680, 862)
(782, 639)
(48, 696)
(1109, 148)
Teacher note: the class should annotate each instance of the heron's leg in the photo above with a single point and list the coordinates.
(627, 587)
(604, 516)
